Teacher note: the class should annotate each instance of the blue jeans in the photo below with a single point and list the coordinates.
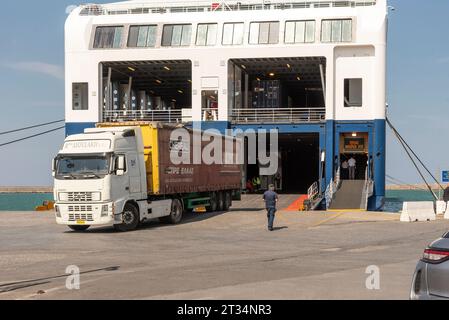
(271, 214)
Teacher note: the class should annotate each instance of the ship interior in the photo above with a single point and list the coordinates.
(260, 83)
(147, 86)
(299, 165)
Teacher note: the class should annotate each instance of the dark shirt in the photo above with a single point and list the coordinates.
(270, 198)
(446, 195)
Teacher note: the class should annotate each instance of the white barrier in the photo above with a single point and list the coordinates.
(441, 207)
(418, 211)
(446, 211)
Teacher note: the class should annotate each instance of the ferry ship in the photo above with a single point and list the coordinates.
(315, 71)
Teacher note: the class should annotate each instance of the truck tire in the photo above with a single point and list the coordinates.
(227, 201)
(79, 228)
(213, 202)
(220, 201)
(131, 219)
(175, 216)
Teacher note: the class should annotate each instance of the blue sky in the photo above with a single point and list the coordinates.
(32, 87)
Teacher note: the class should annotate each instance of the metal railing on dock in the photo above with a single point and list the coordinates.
(167, 116)
(278, 115)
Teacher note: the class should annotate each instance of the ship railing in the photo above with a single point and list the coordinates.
(313, 191)
(368, 189)
(167, 116)
(329, 194)
(337, 179)
(278, 115)
(203, 6)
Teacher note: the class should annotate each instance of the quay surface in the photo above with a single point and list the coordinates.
(313, 255)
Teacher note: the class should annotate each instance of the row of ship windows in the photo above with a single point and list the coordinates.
(145, 36)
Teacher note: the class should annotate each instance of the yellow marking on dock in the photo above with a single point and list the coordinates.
(336, 216)
(346, 210)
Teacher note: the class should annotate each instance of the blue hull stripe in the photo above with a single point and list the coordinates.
(329, 141)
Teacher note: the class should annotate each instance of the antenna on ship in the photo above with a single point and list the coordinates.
(222, 4)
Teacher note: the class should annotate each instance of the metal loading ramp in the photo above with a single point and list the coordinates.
(352, 195)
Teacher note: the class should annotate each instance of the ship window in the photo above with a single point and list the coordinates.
(300, 31)
(353, 93)
(233, 33)
(264, 33)
(336, 30)
(142, 36)
(108, 37)
(177, 35)
(80, 96)
(206, 34)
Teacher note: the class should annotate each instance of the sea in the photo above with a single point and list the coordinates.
(28, 201)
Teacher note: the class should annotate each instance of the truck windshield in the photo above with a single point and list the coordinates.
(82, 167)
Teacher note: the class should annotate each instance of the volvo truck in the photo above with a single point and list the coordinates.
(123, 174)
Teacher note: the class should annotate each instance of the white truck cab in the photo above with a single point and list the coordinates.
(100, 180)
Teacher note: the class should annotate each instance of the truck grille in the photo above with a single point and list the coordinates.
(80, 213)
(77, 209)
(80, 216)
(80, 197)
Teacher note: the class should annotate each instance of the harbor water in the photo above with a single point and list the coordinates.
(28, 201)
(22, 201)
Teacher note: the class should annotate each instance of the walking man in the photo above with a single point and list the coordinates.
(352, 166)
(271, 198)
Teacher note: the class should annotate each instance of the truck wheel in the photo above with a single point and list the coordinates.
(227, 201)
(79, 228)
(220, 202)
(213, 202)
(130, 218)
(175, 216)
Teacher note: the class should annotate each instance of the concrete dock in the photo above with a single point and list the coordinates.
(215, 256)
(26, 190)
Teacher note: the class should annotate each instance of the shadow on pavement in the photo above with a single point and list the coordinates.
(279, 228)
(189, 217)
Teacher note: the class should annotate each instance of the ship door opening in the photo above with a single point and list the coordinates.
(147, 90)
(277, 89)
(299, 156)
(354, 148)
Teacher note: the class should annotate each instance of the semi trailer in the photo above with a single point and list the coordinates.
(123, 174)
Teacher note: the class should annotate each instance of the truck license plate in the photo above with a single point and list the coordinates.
(80, 222)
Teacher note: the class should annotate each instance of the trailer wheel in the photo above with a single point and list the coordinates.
(131, 219)
(175, 216)
(213, 202)
(220, 202)
(79, 228)
(227, 201)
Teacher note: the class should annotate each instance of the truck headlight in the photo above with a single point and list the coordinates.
(96, 196)
(104, 210)
(63, 196)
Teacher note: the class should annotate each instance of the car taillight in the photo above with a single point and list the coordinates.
(435, 256)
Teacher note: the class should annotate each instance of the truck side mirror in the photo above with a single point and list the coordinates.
(53, 167)
(120, 165)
